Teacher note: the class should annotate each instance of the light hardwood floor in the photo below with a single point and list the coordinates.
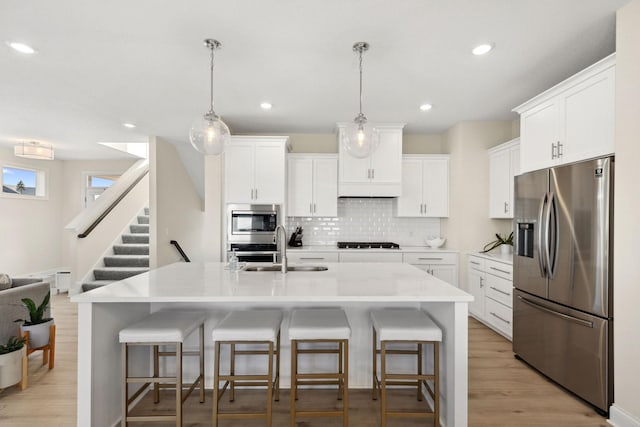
(502, 390)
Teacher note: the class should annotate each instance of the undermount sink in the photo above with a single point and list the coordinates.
(291, 268)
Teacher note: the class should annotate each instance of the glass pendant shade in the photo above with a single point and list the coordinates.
(209, 134)
(360, 139)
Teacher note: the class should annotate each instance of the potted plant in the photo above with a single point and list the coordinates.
(499, 242)
(37, 325)
(11, 356)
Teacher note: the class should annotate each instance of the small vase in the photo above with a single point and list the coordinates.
(506, 249)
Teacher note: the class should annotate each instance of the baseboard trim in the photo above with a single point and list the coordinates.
(618, 417)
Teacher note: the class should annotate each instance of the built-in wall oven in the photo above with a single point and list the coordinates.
(251, 232)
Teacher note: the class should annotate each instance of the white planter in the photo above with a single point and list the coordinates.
(38, 334)
(11, 368)
(506, 249)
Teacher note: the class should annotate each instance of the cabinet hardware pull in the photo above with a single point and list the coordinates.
(560, 149)
(373, 173)
(310, 207)
(369, 173)
(481, 282)
(504, 320)
(313, 258)
(429, 259)
(252, 194)
(553, 151)
(256, 194)
(314, 208)
(420, 208)
(501, 291)
(506, 207)
(474, 262)
(501, 271)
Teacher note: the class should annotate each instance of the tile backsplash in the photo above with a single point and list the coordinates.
(363, 220)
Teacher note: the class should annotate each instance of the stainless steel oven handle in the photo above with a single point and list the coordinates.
(249, 253)
(581, 322)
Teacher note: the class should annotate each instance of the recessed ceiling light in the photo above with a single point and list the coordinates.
(482, 49)
(426, 107)
(21, 47)
(129, 125)
(266, 106)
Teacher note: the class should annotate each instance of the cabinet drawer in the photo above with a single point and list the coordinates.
(429, 258)
(500, 289)
(370, 257)
(499, 269)
(312, 257)
(476, 263)
(499, 316)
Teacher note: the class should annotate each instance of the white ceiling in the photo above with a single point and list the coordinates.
(102, 63)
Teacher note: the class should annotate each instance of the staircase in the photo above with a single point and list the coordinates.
(129, 258)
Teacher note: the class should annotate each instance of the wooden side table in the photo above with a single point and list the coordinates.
(48, 353)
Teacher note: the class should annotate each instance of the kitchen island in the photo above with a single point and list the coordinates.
(356, 287)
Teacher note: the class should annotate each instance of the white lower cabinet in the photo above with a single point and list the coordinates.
(491, 284)
(444, 266)
(305, 257)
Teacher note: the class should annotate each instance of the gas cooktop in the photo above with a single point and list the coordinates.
(368, 245)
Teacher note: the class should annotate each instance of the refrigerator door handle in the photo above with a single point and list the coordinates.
(552, 265)
(582, 322)
(547, 233)
(541, 211)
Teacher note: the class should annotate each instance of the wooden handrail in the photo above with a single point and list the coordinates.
(104, 214)
(179, 248)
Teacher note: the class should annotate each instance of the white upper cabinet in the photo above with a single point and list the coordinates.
(425, 186)
(572, 121)
(504, 165)
(255, 169)
(380, 174)
(312, 185)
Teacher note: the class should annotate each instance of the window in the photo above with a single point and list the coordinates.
(23, 182)
(96, 183)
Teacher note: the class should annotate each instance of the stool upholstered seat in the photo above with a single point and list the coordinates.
(254, 325)
(405, 325)
(315, 324)
(162, 328)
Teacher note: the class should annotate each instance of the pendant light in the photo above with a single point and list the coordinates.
(209, 134)
(360, 139)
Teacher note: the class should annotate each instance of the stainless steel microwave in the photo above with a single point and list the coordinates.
(252, 223)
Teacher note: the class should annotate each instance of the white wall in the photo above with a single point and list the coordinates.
(176, 208)
(627, 221)
(213, 238)
(468, 226)
(31, 229)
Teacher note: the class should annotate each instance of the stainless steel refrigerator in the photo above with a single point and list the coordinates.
(563, 275)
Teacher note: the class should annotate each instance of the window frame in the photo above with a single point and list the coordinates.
(42, 174)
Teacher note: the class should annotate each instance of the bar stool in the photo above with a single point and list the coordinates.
(260, 327)
(313, 326)
(405, 327)
(162, 328)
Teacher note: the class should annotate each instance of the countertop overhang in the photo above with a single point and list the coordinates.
(342, 282)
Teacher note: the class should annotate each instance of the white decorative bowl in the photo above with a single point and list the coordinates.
(435, 242)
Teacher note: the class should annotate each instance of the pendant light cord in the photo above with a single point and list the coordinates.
(360, 50)
(211, 86)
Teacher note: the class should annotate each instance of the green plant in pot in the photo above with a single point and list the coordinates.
(37, 325)
(11, 355)
(499, 242)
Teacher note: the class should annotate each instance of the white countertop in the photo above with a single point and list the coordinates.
(342, 282)
(333, 248)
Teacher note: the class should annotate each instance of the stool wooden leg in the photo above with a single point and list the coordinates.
(345, 399)
(232, 372)
(278, 368)
(25, 372)
(294, 382)
(125, 387)
(52, 346)
(374, 364)
(156, 374)
(178, 384)
(383, 384)
(436, 384)
(340, 367)
(216, 383)
(270, 385)
(419, 371)
(201, 382)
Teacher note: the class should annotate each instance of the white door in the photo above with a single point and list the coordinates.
(300, 185)
(500, 184)
(540, 131)
(269, 173)
(325, 187)
(448, 273)
(238, 173)
(589, 118)
(386, 161)
(476, 288)
(410, 202)
(435, 184)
